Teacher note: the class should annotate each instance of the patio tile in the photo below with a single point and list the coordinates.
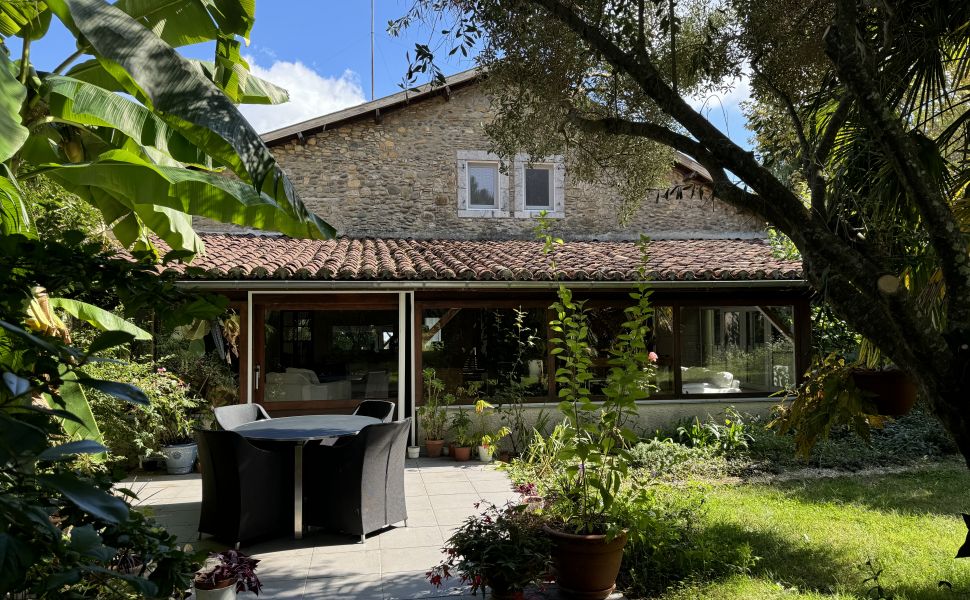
(452, 516)
(281, 546)
(346, 564)
(450, 487)
(356, 587)
(443, 476)
(492, 485)
(421, 517)
(411, 537)
(413, 585)
(417, 503)
(283, 565)
(414, 489)
(410, 559)
(330, 543)
(440, 501)
(283, 589)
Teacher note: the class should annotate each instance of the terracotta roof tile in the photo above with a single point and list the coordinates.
(230, 256)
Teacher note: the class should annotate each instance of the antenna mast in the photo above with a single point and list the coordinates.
(372, 50)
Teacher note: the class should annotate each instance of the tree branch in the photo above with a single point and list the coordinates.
(657, 133)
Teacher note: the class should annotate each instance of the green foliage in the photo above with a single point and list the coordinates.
(666, 544)
(593, 456)
(827, 398)
(664, 459)
(913, 438)
(728, 436)
(501, 548)
(432, 413)
(461, 428)
(132, 433)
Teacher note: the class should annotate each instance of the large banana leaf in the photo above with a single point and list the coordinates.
(12, 94)
(98, 317)
(184, 22)
(231, 73)
(76, 403)
(29, 18)
(13, 213)
(174, 87)
(250, 90)
(130, 179)
(86, 104)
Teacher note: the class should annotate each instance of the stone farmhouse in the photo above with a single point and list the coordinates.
(437, 266)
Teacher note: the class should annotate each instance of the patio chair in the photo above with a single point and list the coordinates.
(234, 415)
(247, 492)
(379, 409)
(357, 485)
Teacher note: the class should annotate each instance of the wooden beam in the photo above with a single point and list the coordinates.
(776, 318)
(427, 335)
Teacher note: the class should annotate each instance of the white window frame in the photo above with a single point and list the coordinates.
(465, 208)
(557, 165)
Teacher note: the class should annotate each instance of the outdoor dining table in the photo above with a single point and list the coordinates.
(299, 431)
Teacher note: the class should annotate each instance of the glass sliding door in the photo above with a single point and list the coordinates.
(329, 360)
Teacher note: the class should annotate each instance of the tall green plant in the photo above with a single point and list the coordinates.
(593, 453)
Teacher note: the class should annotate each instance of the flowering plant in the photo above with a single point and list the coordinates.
(229, 565)
(503, 548)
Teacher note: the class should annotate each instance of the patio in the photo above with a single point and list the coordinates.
(391, 564)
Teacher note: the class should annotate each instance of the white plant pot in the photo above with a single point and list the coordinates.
(414, 451)
(485, 453)
(226, 593)
(180, 459)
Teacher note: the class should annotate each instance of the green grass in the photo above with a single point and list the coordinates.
(813, 535)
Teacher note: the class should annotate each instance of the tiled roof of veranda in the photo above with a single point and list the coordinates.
(256, 257)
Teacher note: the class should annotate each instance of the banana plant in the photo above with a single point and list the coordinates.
(145, 135)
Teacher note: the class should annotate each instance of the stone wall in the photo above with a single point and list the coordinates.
(398, 178)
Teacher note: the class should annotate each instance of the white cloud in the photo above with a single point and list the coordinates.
(311, 94)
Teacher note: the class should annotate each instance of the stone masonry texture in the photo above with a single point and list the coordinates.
(398, 178)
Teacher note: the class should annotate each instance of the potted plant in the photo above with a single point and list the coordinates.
(225, 574)
(503, 549)
(486, 437)
(174, 409)
(587, 504)
(460, 426)
(432, 413)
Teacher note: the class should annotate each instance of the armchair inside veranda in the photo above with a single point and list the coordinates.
(246, 490)
(357, 485)
(234, 415)
(379, 409)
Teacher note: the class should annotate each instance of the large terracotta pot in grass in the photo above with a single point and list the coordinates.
(586, 565)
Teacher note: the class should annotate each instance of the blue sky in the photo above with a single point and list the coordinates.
(319, 50)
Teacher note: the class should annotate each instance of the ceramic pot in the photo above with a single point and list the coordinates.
(180, 458)
(461, 453)
(433, 447)
(414, 451)
(586, 565)
(893, 393)
(485, 453)
(224, 590)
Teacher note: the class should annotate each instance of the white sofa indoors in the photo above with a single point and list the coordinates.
(303, 384)
(701, 380)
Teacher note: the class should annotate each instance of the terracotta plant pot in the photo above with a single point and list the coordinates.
(893, 393)
(433, 447)
(461, 453)
(586, 565)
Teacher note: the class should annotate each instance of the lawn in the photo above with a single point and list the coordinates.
(813, 535)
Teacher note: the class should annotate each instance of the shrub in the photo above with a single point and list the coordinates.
(667, 543)
(913, 437)
(669, 460)
(729, 436)
(134, 432)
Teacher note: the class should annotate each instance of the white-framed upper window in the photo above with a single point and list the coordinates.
(539, 186)
(482, 186)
